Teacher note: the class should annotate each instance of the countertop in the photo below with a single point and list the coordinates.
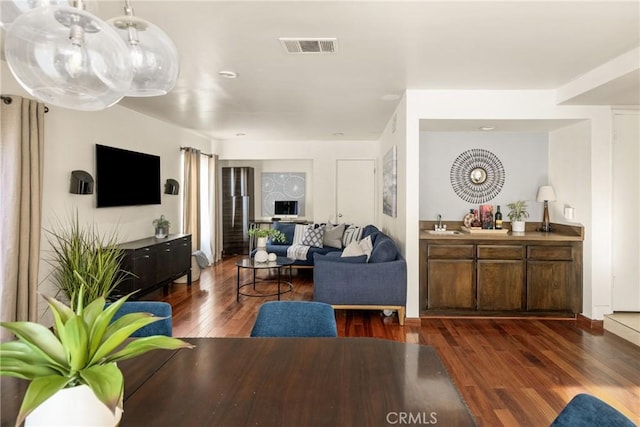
(561, 233)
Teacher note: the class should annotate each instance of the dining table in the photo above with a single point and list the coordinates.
(282, 382)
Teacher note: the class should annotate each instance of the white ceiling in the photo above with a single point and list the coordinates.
(384, 47)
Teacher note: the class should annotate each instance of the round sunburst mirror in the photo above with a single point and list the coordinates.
(477, 175)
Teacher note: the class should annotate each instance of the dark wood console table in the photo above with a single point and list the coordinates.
(155, 262)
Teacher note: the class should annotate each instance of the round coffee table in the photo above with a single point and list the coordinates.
(252, 264)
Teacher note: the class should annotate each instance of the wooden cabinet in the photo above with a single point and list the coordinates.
(536, 274)
(154, 262)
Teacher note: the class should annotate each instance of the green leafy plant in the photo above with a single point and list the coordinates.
(81, 249)
(161, 222)
(82, 349)
(276, 235)
(518, 211)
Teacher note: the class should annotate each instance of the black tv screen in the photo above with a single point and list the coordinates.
(285, 207)
(126, 178)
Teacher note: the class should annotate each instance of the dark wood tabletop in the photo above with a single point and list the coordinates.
(283, 382)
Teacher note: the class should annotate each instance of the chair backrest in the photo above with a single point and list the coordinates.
(295, 319)
(586, 410)
(157, 308)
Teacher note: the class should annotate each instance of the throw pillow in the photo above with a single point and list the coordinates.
(333, 235)
(351, 234)
(352, 249)
(384, 249)
(286, 228)
(366, 246)
(298, 234)
(313, 236)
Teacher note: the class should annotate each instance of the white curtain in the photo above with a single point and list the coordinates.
(214, 203)
(191, 196)
(21, 162)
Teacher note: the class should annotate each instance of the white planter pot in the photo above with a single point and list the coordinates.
(161, 232)
(517, 226)
(262, 243)
(75, 406)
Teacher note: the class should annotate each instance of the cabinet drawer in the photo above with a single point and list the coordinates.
(561, 253)
(450, 251)
(500, 252)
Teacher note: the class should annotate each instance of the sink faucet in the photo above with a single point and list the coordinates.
(439, 226)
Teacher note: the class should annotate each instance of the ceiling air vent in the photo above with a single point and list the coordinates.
(309, 45)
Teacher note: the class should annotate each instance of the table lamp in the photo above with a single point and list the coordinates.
(546, 195)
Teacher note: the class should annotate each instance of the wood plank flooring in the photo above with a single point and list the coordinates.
(510, 372)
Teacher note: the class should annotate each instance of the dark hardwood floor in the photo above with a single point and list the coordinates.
(510, 372)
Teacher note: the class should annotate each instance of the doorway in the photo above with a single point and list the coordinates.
(356, 191)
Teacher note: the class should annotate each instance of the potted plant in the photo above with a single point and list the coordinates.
(95, 258)
(162, 226)
(77, 358)
(261, 234)
(517, 214)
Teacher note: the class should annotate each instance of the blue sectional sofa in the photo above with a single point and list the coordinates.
(378, 284)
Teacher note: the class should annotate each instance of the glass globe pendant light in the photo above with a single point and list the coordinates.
(11, 9)
(154, 57)
(67, 57)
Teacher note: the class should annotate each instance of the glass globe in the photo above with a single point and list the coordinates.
(11, 9)
(154, 57)
(67, 57)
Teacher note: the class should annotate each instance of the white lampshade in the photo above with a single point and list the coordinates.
(546, 193)
(67, 57)
(154, 57)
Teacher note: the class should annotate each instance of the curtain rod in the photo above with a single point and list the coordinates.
(7, 100)
(204, 154)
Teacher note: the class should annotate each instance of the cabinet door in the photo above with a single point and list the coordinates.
(181, 255)
(549, 285)
(501, 285)
(451, 284)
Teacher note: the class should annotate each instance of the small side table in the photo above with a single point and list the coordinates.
(279, 263)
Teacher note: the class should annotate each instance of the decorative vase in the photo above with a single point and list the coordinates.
(273, 257)
(261, 252)
(517, 226)
(75, 406)
(161, 232)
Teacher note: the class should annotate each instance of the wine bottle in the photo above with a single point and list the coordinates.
(498, 219)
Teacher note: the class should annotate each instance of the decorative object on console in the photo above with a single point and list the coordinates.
(477, 175)
(517, 214)
(546, 195)
(282, 186)
(162, 227)
(81, 182)
(390, 183)
(171, 186)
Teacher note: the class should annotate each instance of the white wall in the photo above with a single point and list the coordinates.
(321, 155)
(70, 138)
(523, 157)
(530, 105)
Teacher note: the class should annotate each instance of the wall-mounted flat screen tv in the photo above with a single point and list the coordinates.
(126, 178)
(285, 208)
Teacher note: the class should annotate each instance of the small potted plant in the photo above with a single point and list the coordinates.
(261, 234)
(517, 214)
(77, 360)
(162, 227)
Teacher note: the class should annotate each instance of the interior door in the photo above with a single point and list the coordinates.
(356, 191)
(626, 205)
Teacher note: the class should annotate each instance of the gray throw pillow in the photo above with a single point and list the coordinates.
(333, 235)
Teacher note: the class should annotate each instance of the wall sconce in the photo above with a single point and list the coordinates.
(81, 183)
(171, 187)
(546, 195)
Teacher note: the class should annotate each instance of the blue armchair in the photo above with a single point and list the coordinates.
(586, 410)
(157, 308)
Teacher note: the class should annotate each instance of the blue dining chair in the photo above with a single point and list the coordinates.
(157, 308)
(295, 319)
(585, 410)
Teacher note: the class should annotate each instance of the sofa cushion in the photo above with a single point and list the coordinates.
(313, 236)
(368, 230)
(333, 235)
(367, 246)
(351, 234)
(352, 249)
(360, 259)
(286, 228)
(384, 249)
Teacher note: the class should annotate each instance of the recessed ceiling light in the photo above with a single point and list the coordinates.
(338, 134)
(240, 134)
(227, 74)
(487, 127)
(390, 97)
